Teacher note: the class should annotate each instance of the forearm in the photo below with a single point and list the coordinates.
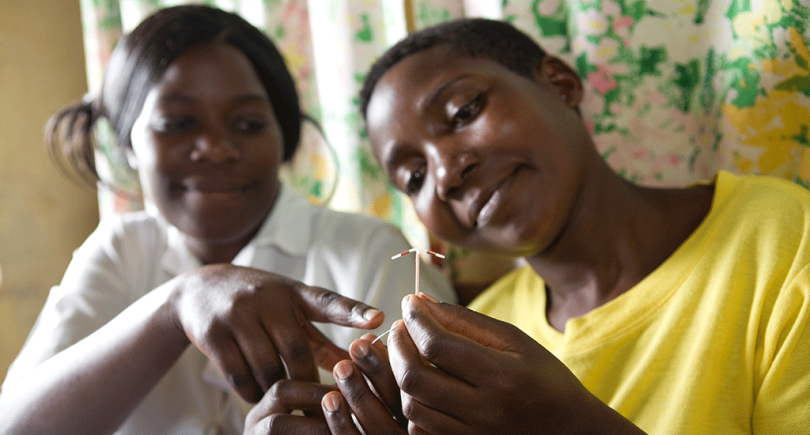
(92, 386)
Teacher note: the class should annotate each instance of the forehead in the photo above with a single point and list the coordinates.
(408, 89)
(423, 70)
(210, 68)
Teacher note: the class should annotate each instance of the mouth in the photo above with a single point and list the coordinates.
(483, 210)
(214, 186)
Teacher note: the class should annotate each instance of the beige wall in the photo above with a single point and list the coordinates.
(43, 216)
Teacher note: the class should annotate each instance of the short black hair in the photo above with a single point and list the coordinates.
(471, 37)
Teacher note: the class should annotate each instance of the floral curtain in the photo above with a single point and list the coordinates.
(675, 89)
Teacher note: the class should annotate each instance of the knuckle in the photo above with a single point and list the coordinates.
(273, 372)
(354, 394)
(410, 380)
(372, 366)
(212, 333)
(276, 392)
(244, 383)
(432, 348)
(243, 304)
(326, 298)
(276, 424)
(300, 351)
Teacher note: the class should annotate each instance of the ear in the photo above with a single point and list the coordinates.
(132, 159)
(563, 78)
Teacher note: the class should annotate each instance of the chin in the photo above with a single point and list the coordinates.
(509, 240)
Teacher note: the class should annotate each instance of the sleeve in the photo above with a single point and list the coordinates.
(91, 293)
(358, 258)
(782, 402)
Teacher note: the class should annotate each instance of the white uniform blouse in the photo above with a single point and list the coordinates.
(128, 256)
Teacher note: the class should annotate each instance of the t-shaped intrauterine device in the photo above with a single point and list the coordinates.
(416, 284)
(418, 251)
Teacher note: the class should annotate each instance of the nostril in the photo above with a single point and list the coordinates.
(452, 176)
(468, 162)
(466, 171)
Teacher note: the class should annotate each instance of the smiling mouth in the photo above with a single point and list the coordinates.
(485, 215)
(215, 187)
(495, 200)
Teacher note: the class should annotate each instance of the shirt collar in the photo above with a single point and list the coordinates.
(289, 225)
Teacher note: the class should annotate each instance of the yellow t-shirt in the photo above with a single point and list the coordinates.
(715, 340)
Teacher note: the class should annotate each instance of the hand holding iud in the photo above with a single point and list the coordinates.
(416, 283)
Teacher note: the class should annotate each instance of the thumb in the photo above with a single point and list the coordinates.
(475, 326)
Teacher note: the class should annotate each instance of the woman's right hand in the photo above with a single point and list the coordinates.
(251, 323)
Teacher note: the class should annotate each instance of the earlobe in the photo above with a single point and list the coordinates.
(563, 78)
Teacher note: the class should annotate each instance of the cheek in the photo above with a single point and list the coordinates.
(437, 217)
(427, 211)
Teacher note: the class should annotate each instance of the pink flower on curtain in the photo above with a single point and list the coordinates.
(602, 80)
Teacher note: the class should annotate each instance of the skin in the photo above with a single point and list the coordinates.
(496, 161)
(207, 146)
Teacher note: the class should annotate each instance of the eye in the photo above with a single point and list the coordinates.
(467, 111)
(409, 177)
(249, 125)
(174, 124)
(415, 181)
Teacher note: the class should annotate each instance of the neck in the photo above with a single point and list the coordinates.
(214, 253)
(617, 236)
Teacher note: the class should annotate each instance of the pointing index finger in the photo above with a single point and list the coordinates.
(321, 305)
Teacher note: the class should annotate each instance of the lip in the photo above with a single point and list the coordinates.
(485, 206)
(214, 186)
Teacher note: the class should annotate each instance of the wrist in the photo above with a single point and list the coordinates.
(167, 298)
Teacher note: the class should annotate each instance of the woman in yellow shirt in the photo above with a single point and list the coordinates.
(667, 311)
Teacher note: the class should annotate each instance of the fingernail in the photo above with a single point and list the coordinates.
(428, 297)
(406, 300)
(343, 370)
(368, 336)
(359, 349)
(371, 314)
(331, 402)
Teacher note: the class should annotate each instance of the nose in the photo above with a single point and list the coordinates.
(214, 146)
(451, 174)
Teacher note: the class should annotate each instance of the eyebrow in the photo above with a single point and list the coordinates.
(436, 93)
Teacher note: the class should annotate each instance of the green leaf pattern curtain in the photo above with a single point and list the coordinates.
(675, 89)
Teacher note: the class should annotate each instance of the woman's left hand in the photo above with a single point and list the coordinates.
(461, 372)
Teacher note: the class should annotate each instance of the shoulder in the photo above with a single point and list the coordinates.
(128, 229)
(760, 226)
(764, 193)
(122, 239)
(763, 206)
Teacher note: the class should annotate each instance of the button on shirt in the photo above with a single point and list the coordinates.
(127, 256)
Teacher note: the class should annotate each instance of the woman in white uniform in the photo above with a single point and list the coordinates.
(171, 321)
